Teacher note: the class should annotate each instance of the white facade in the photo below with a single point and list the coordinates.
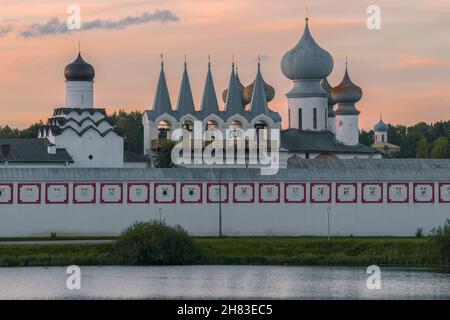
(92, 150)
(381, 136)
(311, 110)
(347, 129)
(80, 94)
(77, 202)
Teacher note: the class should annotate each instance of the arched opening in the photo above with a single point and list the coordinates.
(188, 125)
(211, 129)
(262, 130)
(164, 130)
(164, 134)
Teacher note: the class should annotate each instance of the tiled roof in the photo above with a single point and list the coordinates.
(32, 151)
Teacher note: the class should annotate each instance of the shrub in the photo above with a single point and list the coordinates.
(441, 241)
(419, 233)
(155, 243)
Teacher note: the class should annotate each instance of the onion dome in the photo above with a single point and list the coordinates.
(79, 70)
(268, 89)
(307, 60)
(346, 91)
(381, 126)
(240, 88)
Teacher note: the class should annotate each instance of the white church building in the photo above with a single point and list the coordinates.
(323, 121)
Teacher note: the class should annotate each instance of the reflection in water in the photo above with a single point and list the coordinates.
(226, 282)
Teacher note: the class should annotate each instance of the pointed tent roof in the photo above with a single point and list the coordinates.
(259, 103)
(162, 102)
(209, 101)
(234, 103)
(185, 99)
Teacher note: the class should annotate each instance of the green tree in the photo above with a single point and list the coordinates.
(366, 137)
(440, 149)
(164, 158)
(131, 126)
(423, 149)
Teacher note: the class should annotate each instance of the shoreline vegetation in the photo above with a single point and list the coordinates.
(285, 251)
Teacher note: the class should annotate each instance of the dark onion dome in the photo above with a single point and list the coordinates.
(307, 60)
(346, 92)
(240, 88)
(327, 87)
(268, 89)
(381, 126)
(79, 70)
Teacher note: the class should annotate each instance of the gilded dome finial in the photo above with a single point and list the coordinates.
(307, 14)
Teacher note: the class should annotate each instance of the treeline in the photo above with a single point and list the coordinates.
(130, 123)
(419, 141)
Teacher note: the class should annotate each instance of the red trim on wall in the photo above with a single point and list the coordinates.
(19, 185)
(398, 184)
(174, 185)
(441, 200)
(217, 184)
(74, 187)
(47, 185)
(129, 185)
(199, 184)
(312, 185)
(119, 184)
(277, 184)
(286, 185)
(363, 199)
(11, 190)
(416, 184)
(353, 184)
(252, 184)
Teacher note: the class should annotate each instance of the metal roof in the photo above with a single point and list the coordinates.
(33, 150)
(295, 140)
(304, 170)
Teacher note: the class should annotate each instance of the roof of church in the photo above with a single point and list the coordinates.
(32, 150)
(307, 60)
(80, 111)
(209, 105)
(295, 140)
(382, 145)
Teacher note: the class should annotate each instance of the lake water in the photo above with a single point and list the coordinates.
(221, 282)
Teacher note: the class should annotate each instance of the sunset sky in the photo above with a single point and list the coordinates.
(403, 69)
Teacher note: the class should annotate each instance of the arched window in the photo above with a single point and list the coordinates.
(164, 130)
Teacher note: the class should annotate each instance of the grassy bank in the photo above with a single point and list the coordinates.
(232, 251)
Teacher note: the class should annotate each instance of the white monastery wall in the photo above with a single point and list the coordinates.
(99, 202)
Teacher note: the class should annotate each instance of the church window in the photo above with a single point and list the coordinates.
(300, 119)
(315, 118)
